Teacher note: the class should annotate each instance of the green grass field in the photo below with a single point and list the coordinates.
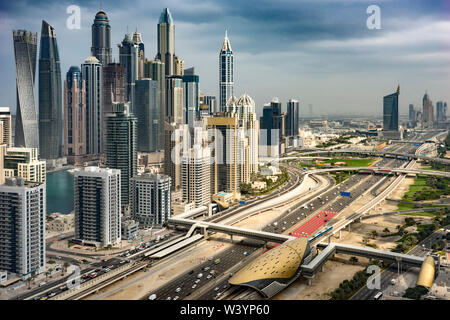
(405, 206)
(420, 214)
(351, 162)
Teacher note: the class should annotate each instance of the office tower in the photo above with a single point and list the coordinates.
(210, 101)
(441, 111)
(178, 66)
(137, 39)
(191, 111)
(390, 111)
(74, 115)
(120, 150)
(412, 113)
(129, 54)
(24, 163)
(224, 156)
(92, 75)
(196, 176)
(427, 112)
(174, 99)
(50, 96)
(154, 69)
(226, 73)
(147, 113)
(273, 122)
(5, 126)
(151, 199)
(101, 38)
(97, 206)
(166, 41)
(114, 86)
(176, 140)
(26, 129)
(292, 118)
(22, 227)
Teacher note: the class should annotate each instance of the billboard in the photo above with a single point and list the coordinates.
(345, 194)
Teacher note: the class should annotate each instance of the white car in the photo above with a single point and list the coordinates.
(208, 276)
(197, 281)
(194, 286)
(152, 297)
(176, 298)
(178, 290)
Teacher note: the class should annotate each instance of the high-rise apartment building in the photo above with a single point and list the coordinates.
(390, 111)
(175, 142)
(166, 42)
(22, 227)
(273, 122)
(51, 143)
(292, 115)
(121, 148)
(191, 111)
(114, 86)
(26, 129)
(178, 66)
(74, 115)
(147, 112)
(210, 101)
(137, 39)
(226, 73)
(223, 137)
(24, 163)
(129, 58)
(151, 199)
(97, 201)
(174, 100)
(92, 75)
(101, 38)
(5, 126)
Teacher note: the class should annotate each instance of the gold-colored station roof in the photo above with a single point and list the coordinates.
(280, 262)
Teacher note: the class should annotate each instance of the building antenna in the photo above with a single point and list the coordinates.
(101, 5)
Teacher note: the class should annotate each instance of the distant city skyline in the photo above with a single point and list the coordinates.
(311, 51)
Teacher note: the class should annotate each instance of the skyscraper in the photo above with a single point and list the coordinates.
(273, 121)
(5, 126)
(226, 73)
(114, 86)
(51, 143)
(390, 111)
(191, 111)
(24, 163)
(196, 176)
(174, 100)
(412, 113)
(427, 112)
(155, 70)
(128, 55)
(211, 101)
(26, 129)
(292, 118)
(151, 199)
(137, 39)
(74, 115)
(101, 38)
(121, 149)
(97, 206)
(147, 113)
(22, 227)
(92, 75)
(175, 142)
(224, 155)
(441, 111)
(166, 41)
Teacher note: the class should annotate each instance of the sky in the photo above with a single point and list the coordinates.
(319, 52)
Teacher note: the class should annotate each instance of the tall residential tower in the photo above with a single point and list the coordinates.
(226, 73)
(101, 38)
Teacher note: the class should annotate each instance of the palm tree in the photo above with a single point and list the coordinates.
(65, 266)
(386, 230)
(353, 260)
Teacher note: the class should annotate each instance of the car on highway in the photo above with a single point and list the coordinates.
(176, 298)
(178, 289)
(152, 297)
(200, 275)
(194, 286)
(51, 294)
(42, 284)
(197, 281)
(206, 268)
(107, 269)
(94, 274)
(208, 276)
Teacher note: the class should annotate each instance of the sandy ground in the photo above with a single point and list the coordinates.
(323, 283)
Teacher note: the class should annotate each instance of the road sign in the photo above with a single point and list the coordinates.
(345, 194)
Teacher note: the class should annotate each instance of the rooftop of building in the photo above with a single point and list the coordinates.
(165, 17)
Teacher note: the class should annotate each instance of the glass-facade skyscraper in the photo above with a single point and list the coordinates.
(191, 110)
(121, 148)
(147, 112)
(101, 38)
(226, 73)
(390, 111)
(129, 54)
(166, 41)
(25, 50)
(292, 118)
(50, 96)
